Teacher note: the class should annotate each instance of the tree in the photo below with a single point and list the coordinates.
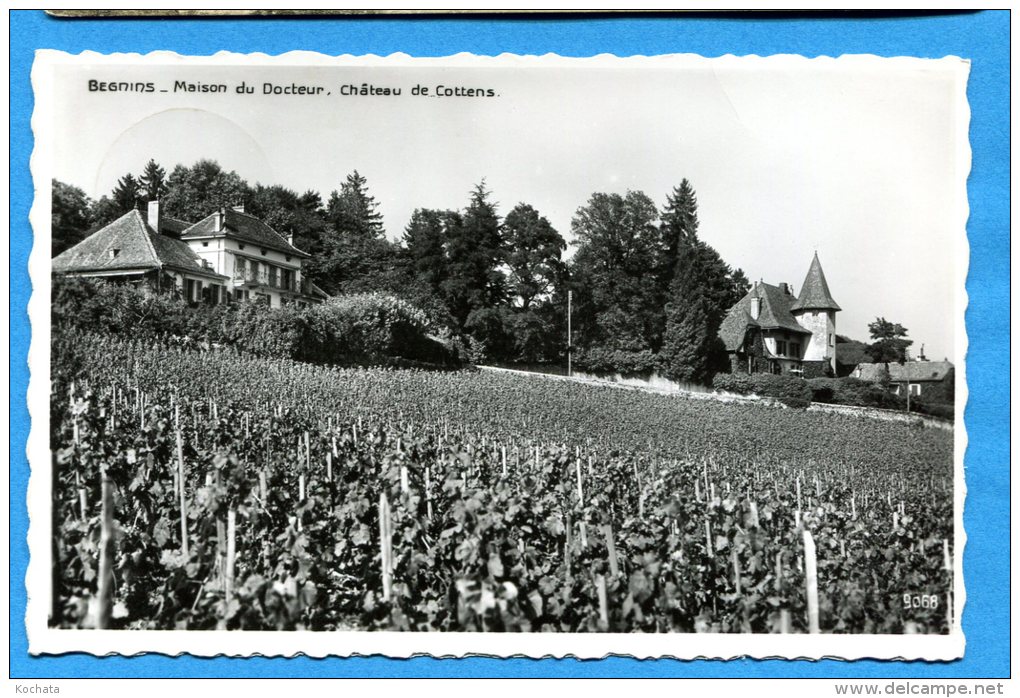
(197, 191)
(103, 212)
(70, 216)
(125, 194)
(353, 211)
(355, 255)
(152, 181)
(475, 251)
(720, 286)
(425, 246)
(534, 255)
(890, 341)
(691, 350)
(618, 300)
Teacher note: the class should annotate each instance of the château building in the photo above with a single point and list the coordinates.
(774, 330)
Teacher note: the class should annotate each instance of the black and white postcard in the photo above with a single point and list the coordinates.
(513, 356)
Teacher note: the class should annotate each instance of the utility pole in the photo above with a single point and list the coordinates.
(570, 337)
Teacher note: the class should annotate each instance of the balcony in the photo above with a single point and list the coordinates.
(262, 278)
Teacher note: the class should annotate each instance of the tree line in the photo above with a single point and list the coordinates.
(648, 293)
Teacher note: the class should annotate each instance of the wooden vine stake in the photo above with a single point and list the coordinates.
(600, 584)
(385, 545)
(811, 581)
(104, 605)
(580, 489)
(504, 461)
(428, 492)
(228, 575)
(183, 500)
(947, 561)
(784, 621)
(708, 538)
(614, 563)
(82, 499)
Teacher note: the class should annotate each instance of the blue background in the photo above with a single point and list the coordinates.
(982, 37)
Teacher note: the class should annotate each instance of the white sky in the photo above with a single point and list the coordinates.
(857, 162)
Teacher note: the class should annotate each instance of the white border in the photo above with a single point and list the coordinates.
(46, 640)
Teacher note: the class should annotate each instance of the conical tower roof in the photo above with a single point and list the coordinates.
(814, 292)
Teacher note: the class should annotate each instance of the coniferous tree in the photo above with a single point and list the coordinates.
(125, 194)
(352, 211)
(475, 252)
(691, 347)
(152, 182)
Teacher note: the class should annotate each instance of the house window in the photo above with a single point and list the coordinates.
(114, 253)
(263, 252)
(795, 349)
(205, 244)
(189, 290)
(781, 347)
(241, 246)
(915, 388)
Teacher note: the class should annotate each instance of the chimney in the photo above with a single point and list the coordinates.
(755, 307)
(290, 239)
(218, 221)
(152, 216)
(784, 287)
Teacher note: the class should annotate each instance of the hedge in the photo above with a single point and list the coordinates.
(790, 390)
(364, 328)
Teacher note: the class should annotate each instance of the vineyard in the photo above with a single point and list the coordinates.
(206, 490)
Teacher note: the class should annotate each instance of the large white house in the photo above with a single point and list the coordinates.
(228, 256)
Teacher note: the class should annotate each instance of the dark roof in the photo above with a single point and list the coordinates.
(814, 292)
(913, 371)
(773, 314)
(242, 226)
(138, 247)
(169, 226)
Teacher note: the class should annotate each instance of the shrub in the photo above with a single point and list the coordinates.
(363, 328)
(790, 390)
(602, 360)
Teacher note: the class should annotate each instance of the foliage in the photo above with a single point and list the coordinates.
(197, 191)
(70, 216)
(474, 251)
(602, 360)
(365, 328)
(490, 528)
(152, 183)
(890, 341)
(617, 297)
(792, 391)
(534, 251)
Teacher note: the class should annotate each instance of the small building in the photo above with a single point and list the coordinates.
(773, 330)
(932, 380)
(128, 250)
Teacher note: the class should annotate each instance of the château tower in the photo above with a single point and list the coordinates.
(815, 311)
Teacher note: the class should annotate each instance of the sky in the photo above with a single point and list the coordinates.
(857, 160)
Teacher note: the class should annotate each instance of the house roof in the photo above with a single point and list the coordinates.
(774, 314)
(814, 292)
(913, 371)
(137, 247)
(242, 226)
(172, 227)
